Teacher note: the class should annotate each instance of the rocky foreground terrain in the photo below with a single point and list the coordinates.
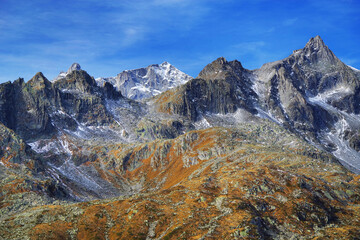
(271, 153)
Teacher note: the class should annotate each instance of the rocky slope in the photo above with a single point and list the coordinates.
(311, 92)
(317, 95)
(146, 82)
(58, 119)
(221, 87)
(233, 153)
(213, 183)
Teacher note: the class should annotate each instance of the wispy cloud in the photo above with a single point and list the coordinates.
(289, 22)
(77, 31)
(253, 53)
(246, 47)
(48, 36)
(350, 61)
(153, 17)
(133, 34)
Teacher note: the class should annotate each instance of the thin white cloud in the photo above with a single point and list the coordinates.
(137, 21)
(246, 47)
(123, 24)
(132, 35)
(290, 21)
(350, 61)
(253, 53)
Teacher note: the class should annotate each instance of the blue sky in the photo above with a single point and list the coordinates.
(107, 37)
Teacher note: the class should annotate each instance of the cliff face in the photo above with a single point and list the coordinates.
(311, 92)
(309, 72)
(36, 108)
(25, 108)
(221, 87)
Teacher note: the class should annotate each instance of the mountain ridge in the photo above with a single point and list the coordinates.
(232, 153)
(146, 82)
(282, 91)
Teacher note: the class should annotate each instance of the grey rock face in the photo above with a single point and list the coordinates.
(25, 108)
(77, 80)
(316, 52)
(316, 95)
(146, 82)
(308, 72)
(56, 119)
(311, 92)
(40, 108)
(221, 87)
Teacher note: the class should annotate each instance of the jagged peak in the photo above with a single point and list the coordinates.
(79, 80)
(217, 63)
(217, 68)
(19, 81)
(165, 64)
(39, 76)
(220, 60)
(315, 43)
(236, 63)
(316, 51)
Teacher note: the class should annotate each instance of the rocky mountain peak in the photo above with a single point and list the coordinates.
(165, 64)
(214, 69)
(316, 51)
(315, 43)
(146, 82)
(242, 149)
(220, 69)
(78, 80)
(74, 67)
(221, 60)
(39, 78)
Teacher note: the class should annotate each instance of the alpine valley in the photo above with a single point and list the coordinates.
(270, 153)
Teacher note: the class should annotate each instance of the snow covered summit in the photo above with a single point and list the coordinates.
(146, 82)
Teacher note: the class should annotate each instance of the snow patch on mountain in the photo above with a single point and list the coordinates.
(146, 82)
(44, 146)
(347, 155)
(202, 124)
(335, 93)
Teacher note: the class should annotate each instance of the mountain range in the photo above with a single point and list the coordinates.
(270, 153)
(147, 82)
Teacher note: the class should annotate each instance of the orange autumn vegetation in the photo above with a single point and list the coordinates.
(233, 188)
